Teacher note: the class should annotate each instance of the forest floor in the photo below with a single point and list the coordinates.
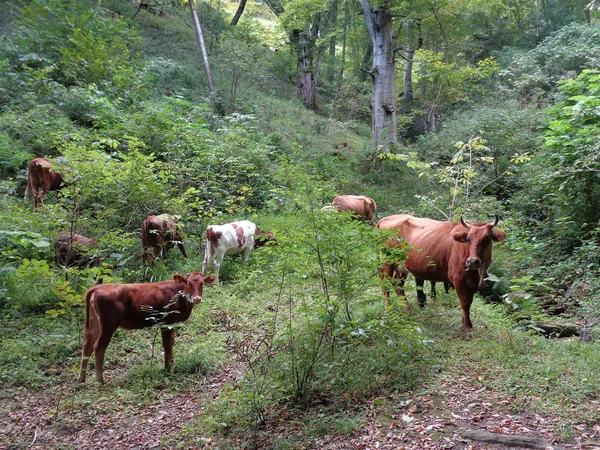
(433, 419)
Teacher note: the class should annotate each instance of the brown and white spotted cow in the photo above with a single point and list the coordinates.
(232, 239)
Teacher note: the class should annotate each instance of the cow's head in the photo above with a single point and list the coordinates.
(193, 284)
(262, 238)
(479, 236)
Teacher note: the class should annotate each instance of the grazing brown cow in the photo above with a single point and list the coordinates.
(160, 234)
(363, 207)
(232, 239)
(41, 179)
(456, 253)
(136, 306)
(75, 250)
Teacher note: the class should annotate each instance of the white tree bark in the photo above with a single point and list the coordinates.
(383, 75)
(200, 37)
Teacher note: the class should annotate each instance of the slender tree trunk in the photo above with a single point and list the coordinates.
(413, 44)
(343, 64)
(207, 71)
(238, 13)
(332, 13)
(367, 59)
(407, 96)
(383, 76)
(275, 6)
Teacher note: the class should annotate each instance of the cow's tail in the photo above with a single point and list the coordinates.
(87, 324)
(29, 186)
(144, 240)
(375, 215)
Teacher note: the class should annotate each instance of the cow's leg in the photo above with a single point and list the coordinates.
(399, 275)
(421, 299)
(385, 273)
(105, 334)
(90, 337)
(466, 299)
(433, 292)
(168, 339)
(181, 249)
(42, 193)
(246, 253)
(219, 255)
(207, 257)
(36, 198)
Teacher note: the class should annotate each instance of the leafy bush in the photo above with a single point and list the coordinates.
(562, 199)
(533, 75)
(80, 45)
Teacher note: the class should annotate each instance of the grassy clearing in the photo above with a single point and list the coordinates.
(425, 353)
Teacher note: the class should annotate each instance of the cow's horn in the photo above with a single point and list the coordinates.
(463, 222)
(495, 220)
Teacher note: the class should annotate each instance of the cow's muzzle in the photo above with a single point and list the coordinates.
(194, 299)
(473, 263)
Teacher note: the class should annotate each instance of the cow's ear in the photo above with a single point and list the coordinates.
(179, 278)
(498, 235)
(460, 236)
(210, 278)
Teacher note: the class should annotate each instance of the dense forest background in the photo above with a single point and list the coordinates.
(488, 107)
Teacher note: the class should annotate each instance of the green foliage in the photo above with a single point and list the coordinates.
(564, 173)
(459, 183)
(522, 300)
(450, 83)
(81, 45)
(534, 75)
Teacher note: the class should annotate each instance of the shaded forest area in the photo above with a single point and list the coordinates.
(475, 110)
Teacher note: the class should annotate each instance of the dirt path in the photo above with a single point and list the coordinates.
(429, 421)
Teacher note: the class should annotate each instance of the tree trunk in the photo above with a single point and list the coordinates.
(198, 29)
(367, 59)
(407, 96)
(275, 6)
(332, 13)
(238, 13)
(306, 80)
(383, 76)
(343, 64)
(413, 44)
(510, 440)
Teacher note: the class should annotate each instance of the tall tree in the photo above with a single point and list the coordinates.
(238, 13)
(200, 37)
(305, 48)
(407, 52)
(378, 20)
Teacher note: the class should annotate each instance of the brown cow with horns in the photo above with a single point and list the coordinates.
(136, 306)
(41, 179)
(457, 253)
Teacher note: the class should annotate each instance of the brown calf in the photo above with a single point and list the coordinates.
(136, 306)
(41, 179)
(160, 234)
(75, 250)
